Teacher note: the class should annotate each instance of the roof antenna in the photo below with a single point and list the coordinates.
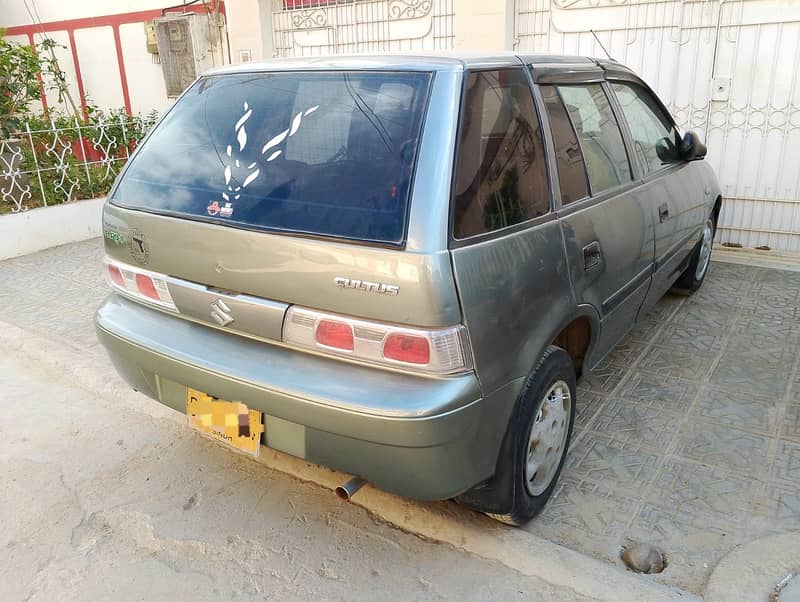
(601, 45)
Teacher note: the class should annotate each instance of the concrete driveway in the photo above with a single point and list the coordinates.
(688, 435)
(108, 496)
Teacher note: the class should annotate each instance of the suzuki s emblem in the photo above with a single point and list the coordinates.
(221, 313)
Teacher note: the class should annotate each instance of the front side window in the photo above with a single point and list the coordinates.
(500, 177)
(598, 134)
(654, 136)
(322, 153)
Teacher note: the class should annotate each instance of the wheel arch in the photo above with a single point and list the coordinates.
(717, 209)
(577, 334)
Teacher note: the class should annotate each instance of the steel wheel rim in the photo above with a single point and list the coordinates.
(705, 250)
(548, 438)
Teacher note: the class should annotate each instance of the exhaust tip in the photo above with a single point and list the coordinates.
(348, 490)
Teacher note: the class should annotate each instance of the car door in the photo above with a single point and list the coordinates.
(507, 254)
(606, 226)
(675, 198)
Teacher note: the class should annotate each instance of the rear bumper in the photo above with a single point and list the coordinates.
(422, 437)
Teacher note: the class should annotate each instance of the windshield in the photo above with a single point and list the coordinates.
(325, 153)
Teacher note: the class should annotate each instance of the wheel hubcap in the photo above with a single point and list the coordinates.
(705, 250)
(548, 438)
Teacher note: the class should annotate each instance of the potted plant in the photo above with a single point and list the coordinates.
(19, 85)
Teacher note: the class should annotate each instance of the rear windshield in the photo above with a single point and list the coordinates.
(325, 153)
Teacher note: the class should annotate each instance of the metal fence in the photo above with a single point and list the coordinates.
(48, 163)
(315, 27)
(727, 68)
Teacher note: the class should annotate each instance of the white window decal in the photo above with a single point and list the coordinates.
(275, 141)
(241, 137)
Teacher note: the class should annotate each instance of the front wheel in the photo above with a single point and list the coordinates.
(535, 445)
(692, 278)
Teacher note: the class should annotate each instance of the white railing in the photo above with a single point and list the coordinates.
(315, 27)
(727, 69)
(51, 163)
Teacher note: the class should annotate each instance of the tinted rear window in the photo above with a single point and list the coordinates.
(326, 153)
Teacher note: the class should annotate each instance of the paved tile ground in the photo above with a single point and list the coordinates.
(689, 433)
(687, 436)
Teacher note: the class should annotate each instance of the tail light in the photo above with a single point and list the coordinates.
(145, 286)
(438, 351)
(335, 334)
(139, 284)
(115, 275)
(410, 348)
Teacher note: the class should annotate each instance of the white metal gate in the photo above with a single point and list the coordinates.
(726, 68)
(345, 26)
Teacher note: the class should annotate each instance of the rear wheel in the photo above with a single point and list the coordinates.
(535, 445)
(692, 278)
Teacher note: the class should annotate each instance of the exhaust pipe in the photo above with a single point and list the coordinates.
(349, 489)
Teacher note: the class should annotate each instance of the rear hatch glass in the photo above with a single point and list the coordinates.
(322, 153)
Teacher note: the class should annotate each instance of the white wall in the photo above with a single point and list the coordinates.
(145, 80)
(727, 69)
(14, 13)
(245, 28)
(97, 56)
(37, 229)
(97, 51)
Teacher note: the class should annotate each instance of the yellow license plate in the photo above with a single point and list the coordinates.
(230, 422)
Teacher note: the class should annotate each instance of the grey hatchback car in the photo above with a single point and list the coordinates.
(398, 266)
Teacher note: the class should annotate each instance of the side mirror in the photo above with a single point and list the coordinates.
(691, 147)
(667, 151)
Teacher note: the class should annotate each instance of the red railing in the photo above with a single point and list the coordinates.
(292, 4)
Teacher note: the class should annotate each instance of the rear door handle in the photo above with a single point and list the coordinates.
(663, 213)
(591, 255)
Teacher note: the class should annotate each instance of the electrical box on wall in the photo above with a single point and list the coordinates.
(150, 36)
(184, 49)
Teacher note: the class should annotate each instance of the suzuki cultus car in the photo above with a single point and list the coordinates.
(398, 266)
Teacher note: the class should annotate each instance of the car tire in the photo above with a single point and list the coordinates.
(695, 273)
(534, 447)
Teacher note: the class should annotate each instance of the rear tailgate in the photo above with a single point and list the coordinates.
(270, 271)
(264, 190)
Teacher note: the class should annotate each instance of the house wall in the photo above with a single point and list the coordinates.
(726, 68)
(102, 48)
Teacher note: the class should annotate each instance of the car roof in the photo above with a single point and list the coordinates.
(423, 61)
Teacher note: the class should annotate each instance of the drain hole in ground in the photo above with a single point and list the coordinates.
(643, 558)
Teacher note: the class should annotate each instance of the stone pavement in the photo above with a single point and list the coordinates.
(688, 435)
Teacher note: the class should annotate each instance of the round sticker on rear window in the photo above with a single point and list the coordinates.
(138, 247)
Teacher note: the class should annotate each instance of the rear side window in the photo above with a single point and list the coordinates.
(325, 153)
(500, 177)
(598, 134)
(569, 160)
(654, 136)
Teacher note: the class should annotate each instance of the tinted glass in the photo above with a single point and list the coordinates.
(569, 160)
(654, 135)
(598, 134)
(500, 173)
(325, 153)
